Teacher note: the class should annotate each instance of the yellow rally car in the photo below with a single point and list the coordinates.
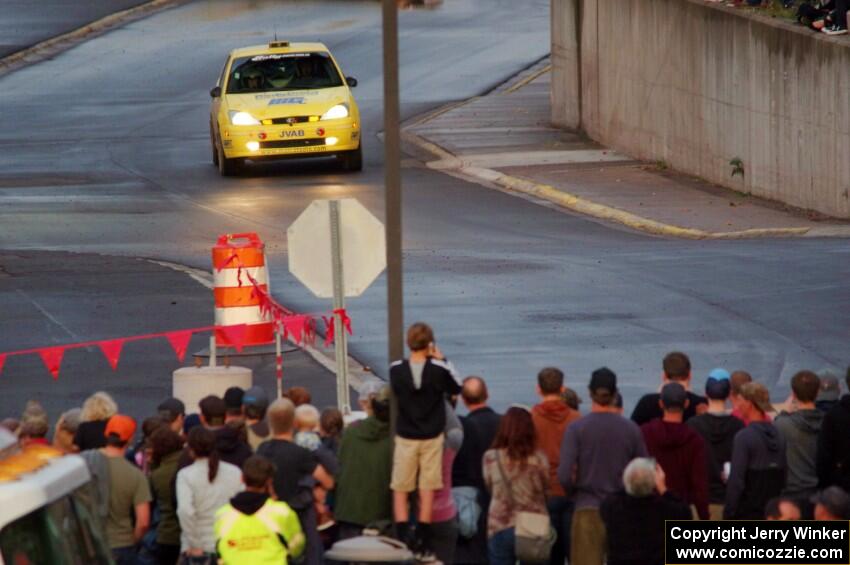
(283, 100)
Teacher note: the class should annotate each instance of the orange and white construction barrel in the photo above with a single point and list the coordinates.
(241, 257)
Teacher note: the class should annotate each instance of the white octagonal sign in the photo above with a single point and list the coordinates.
(364, 252)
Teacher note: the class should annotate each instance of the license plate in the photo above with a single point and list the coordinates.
(289, 150)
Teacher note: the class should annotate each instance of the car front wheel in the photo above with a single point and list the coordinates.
(352, 160)
(213, 145)
(227, 167)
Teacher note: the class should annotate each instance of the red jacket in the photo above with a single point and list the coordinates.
(551, 418)
(681, 453)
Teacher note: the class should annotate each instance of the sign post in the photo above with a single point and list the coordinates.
(336, 249)
(340, 339)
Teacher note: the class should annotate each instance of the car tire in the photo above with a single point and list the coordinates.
(227, 167)
(352, 160)
(213, 146)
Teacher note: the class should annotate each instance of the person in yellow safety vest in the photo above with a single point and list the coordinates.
(254, 528)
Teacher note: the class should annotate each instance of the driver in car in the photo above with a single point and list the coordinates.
(253, 79)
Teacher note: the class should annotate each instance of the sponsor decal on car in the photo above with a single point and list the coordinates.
(276, 56)
(277, 94)
(291, 100)
(292, 133)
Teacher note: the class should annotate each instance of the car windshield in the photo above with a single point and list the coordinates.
(282, 71)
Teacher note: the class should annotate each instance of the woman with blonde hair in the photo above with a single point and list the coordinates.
(97, 410)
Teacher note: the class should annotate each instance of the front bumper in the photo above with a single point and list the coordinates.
(249, 142)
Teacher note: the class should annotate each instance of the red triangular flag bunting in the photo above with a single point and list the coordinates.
(179, 342)
(346, 321)
(2, 361)
(294, 326)
(329, 329)
(232, 335)
(112, 351)
(52, 358)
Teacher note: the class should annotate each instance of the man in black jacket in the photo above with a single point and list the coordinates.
(718, 429)
(634, 518)
(479, 429)
(833, 458)
(677, 368)
(421, 385)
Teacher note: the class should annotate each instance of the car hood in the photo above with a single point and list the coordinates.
(285, 103)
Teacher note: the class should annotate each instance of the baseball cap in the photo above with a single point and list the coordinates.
(171, 408)
(718, 386)
(673, 395)
(233, 398)
(256, 396)
(830, 386)
(603, 379)
(835, 500)
(122, 426)
(758, 395)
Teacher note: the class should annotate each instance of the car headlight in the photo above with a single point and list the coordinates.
(336, 112)
(242, 118)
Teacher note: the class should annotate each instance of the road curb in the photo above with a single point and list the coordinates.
(449, 162)
(55, 45)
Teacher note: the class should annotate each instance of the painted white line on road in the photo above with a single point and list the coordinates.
(203, 277)
(49, 316)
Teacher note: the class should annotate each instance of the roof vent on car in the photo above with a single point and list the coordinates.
(277, 44)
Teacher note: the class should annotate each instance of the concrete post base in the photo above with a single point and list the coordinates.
(191, 384)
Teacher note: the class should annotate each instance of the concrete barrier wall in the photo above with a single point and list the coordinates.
(697, 85)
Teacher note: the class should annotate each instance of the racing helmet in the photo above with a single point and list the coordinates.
(250, 75)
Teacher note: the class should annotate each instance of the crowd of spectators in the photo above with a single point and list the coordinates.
(824, 16)
(249, 480)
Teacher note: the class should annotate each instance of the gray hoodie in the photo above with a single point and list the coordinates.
(800, 430)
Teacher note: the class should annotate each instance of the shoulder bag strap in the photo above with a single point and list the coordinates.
(505, 479)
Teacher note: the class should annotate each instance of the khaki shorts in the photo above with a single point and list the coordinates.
(422, 455)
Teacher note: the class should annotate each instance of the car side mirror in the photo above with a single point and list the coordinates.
(216, 92)
(351, 81)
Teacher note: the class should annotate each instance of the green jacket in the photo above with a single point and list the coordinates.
(162, 488)
(363, 491)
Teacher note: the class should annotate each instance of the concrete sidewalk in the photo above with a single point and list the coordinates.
(504, 140)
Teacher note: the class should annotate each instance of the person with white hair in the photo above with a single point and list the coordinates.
(97, 410)
(634, 517)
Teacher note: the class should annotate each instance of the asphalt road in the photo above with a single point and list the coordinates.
(113, 297)
(24, 23)
(105, 149)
